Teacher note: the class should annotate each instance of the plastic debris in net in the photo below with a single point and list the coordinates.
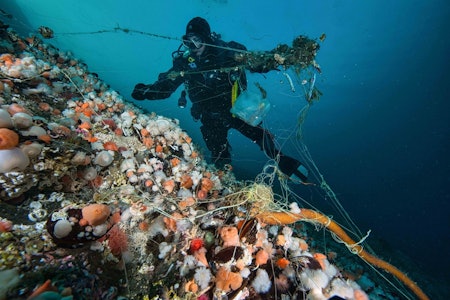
(251, 107)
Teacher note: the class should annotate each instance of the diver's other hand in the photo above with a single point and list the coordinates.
(139, 91)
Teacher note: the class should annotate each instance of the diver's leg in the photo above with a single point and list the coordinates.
(287, 165)
(215, 137)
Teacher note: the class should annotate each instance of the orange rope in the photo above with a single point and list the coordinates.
(276, 218)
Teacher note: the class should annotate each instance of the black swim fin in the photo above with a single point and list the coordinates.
(293, 169)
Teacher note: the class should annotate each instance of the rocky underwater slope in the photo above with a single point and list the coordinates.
(100, 200)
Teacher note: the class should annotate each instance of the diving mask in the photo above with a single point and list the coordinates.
(193, 42)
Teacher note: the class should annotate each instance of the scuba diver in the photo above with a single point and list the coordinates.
(208, 68)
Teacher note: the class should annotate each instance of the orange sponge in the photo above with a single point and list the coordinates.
(8, 139)
(96, 214)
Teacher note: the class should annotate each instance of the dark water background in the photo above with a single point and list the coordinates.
(380, 134)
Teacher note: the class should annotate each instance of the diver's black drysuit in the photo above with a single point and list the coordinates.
(209, 80)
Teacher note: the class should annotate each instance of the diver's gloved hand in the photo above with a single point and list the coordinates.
(293, 169)
(139, 92)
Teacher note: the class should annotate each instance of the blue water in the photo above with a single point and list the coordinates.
(380, 133)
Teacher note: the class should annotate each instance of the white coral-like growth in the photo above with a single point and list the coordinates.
(164, 249)
(261, 283)
(202, 277)
(13, 159)
(341, 288)
(314, 279)
(157, 227)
